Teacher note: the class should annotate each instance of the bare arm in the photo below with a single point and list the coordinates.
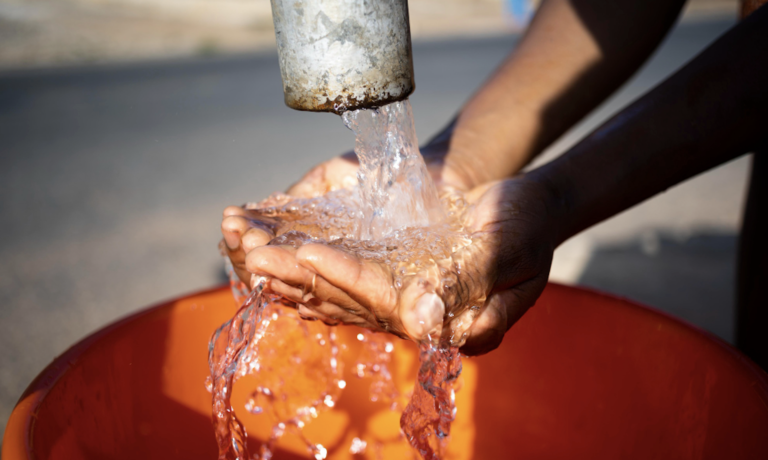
(712, 110)
(573, 56)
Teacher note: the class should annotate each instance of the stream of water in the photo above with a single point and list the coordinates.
(394, 217)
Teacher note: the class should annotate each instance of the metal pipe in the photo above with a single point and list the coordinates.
(340, 55)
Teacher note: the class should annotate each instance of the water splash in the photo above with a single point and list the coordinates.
(427, 419)
(393, 217)
(257, 341)
(396, 189)
(374, 363)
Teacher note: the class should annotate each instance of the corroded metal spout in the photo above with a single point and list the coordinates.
(340, 55)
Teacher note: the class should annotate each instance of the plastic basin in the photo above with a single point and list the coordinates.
(582, 375)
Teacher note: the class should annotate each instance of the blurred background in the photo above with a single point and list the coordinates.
(126, 126)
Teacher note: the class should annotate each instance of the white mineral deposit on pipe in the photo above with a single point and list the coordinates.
(340, 55)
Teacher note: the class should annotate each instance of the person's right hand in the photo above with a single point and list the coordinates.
(336, 173)
(243, 230)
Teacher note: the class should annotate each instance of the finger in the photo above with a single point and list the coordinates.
(241, 211)
(325, 298)
(233, 228)
(421, 311)
(309, 301)
(337, 313)
(487, 332)
(310, 315)
(243, 274)
(255, 237)
(311, 185)
(332, 295)
(279, 262)
(503, 309)
(237, 262)
(359, 286)
(291, 293)
(339, 172)
(295, 282)
(363, 281)
(237, 211)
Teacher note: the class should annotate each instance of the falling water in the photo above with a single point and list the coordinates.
(393, 217)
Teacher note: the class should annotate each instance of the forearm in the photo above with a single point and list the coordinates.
(573, 56)
(712, 110)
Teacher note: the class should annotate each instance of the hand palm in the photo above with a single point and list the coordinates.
(508, 263)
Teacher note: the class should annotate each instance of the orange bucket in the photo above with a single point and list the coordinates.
(581, 376)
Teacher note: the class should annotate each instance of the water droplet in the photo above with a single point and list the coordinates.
(358, 446)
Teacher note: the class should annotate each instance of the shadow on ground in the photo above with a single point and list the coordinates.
(689, 276)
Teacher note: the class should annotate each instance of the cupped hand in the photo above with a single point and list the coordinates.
(513, 235)
(244, 230)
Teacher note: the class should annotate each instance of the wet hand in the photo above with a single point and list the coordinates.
(244, 230)
(508, 265)
(518, 219)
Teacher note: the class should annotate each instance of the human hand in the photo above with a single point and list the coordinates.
(507, 264)
(244, 230)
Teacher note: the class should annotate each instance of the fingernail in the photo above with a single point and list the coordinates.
(425, 315)
(307, 314)
(232, 239)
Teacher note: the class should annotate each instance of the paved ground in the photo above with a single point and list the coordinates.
(112, 181)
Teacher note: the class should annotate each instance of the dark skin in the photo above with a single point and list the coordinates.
(712, 110)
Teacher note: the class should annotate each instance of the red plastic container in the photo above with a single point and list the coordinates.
(581, 376)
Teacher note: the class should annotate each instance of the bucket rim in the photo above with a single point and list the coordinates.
(19, 433)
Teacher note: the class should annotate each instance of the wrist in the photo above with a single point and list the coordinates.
(557, 199)
(477, 148)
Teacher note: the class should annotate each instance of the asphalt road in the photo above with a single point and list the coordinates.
(113, 179)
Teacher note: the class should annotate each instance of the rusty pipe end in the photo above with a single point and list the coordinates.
(341, 55)
(345, 102)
